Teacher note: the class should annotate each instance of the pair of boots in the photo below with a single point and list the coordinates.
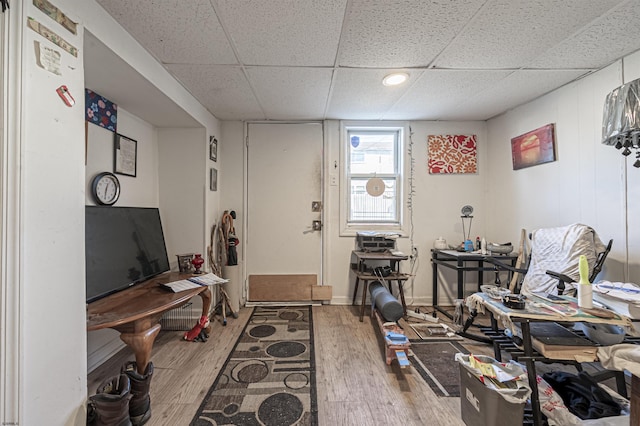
(122, 400)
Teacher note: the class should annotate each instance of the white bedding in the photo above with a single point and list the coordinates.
(558, 250)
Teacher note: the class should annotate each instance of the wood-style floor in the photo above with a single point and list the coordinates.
(354, 385)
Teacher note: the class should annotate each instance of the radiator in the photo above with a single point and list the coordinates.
(179, 319)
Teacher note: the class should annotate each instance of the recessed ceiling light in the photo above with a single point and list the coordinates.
(395, 79)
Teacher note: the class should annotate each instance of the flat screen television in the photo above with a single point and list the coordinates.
(123, 246)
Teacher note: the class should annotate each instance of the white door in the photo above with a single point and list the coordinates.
(284, 193)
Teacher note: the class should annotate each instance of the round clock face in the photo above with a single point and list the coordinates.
(105, 188)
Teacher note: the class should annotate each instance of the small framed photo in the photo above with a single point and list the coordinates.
(126, 155)
(213, 148)
(213, 179)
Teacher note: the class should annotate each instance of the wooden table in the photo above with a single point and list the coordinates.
(136, 311)
(362, 274)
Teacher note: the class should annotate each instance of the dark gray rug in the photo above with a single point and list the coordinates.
(434, 361)
(269, 377)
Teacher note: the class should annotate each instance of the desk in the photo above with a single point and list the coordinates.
(524, 317)
(459, 261)
(362, 274)
(136, 311)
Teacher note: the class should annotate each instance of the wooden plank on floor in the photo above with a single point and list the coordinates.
(321, 292)
(281, 288)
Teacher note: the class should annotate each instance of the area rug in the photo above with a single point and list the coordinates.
(269, 377)
(434, 360)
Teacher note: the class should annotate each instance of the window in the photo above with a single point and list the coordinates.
(372, 155)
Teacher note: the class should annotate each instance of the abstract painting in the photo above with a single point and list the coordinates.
(534, 147)
(449, 154)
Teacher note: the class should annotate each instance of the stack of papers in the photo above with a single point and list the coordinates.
(195, 282)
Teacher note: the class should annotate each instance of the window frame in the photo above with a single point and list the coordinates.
(350, 228)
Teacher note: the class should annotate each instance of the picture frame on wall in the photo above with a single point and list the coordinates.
(213, 148)
(125, 155)
(533, 148)
(213, 179)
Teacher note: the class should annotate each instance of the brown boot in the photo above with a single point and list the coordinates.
(140, 404)
(110, 405)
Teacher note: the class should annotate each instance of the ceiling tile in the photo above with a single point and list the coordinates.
(437, 93)
(223, 90)
(508, 33)
(401, 33)
(517, 89)
(174, 31)
(607, 39)
(358, 94)
(291, 93)
(284, 32)
(285, 59)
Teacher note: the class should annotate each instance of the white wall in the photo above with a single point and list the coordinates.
(50, 249)
(586, 184)
(183, 187)
(47, 186)
(138, 191)
(436, 205)
(437, 201)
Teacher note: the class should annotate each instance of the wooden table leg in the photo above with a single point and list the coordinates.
(365, 285)
(635, 401)
(355, 291)
(141, 344)
(401, 291)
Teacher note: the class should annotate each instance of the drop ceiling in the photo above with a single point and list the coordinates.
(325, 59)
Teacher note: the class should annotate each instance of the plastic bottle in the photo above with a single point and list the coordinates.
(483, 246)
(585, 290)
(478, 243)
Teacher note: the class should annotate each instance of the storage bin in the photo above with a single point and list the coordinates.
(482, 406)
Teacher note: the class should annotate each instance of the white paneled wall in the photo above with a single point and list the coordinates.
(589, 183)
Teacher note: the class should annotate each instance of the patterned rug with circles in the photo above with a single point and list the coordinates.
(269, 377)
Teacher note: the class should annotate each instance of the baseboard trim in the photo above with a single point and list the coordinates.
(104, 353)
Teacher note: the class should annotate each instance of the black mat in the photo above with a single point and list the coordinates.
(435, 362)
(269, 377)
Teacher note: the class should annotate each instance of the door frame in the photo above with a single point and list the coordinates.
(11, 186)
(245, 220)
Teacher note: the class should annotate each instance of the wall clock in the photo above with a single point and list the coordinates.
(105, 188)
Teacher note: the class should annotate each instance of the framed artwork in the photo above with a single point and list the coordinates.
(213, 179)
(100, 111)
(126, 156)
(213, 148)
(535, 147)
(452, 154)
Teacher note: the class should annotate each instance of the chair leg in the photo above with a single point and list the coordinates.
(621, 384)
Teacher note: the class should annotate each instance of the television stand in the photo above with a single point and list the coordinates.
(136, 311)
